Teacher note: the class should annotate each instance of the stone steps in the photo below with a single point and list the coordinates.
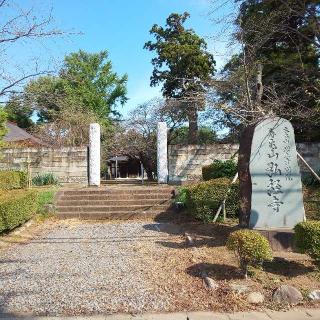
(111, 202)
(94, 208)
(114, 203)
(133, 182)
(118, 191)
(118, 197)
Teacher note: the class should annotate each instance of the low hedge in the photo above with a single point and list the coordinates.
(13, 179)
(219, 169)
(250, 247)
(16, 207)
(203, 199)
(307, 239)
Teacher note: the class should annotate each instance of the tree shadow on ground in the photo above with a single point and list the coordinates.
(173, 215)
(288, 268)
(203, 234)
(215, 271)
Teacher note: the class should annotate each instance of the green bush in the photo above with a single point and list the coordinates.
(16, 207)
(203, 199)
(250, 248)
(45, 179)
(181, 197)
(307, 239)
(13, 179)
(219, 169)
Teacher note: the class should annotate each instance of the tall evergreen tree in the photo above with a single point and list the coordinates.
(183, 65)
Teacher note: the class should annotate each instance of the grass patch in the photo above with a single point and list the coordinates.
(45, 197)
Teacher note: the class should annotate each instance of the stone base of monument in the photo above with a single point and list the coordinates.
(280, 240)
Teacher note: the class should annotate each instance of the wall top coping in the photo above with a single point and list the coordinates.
(230, 145)
(45, 149)
(203, 146)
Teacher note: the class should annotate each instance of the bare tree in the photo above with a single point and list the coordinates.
(66, 130)
(18, 27)
(136, 137)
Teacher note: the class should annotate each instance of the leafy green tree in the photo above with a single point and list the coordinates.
(86, 81)
(46, 96)
(89, 78)
(183, 65)
(18, 112)
(3, 127)
(205, 136)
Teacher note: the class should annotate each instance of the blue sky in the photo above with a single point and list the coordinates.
(122, 27)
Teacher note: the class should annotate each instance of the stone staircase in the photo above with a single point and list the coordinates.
(114, 202)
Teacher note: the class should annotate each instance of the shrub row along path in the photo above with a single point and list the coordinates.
(81, 268)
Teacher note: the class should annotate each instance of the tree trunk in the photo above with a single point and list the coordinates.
(148, 166)
(193, 125)
(244, 175)
(149, 174)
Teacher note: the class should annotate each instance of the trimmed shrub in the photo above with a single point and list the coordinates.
(250, 248)
(203, 199)
(219, 169)
(307, 239)
(13, 179)
(45, 179)
(16, 207)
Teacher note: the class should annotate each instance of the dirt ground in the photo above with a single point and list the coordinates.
(165, 273)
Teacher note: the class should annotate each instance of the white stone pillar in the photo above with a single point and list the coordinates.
(162, 153)
(94, 154)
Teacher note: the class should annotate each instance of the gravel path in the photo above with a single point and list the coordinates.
(85, 268)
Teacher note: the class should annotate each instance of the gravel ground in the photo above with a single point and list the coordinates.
(84, 268)
(74, 267)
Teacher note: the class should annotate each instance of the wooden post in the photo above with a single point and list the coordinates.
(223, 204)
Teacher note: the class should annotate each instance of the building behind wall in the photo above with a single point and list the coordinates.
(123, 167)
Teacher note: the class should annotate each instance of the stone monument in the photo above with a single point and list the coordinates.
(94, 154)
(162, 153)
(276, 195)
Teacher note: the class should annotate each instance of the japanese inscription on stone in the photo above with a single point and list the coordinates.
(276, 200)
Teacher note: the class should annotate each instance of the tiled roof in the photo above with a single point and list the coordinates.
(16, 134)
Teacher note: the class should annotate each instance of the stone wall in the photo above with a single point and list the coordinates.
(68, 164)
(186, 162)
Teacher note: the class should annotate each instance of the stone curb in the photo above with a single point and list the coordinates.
(298, 314)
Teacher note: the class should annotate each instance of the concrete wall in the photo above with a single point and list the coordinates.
(68, 164)
(186, 162)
